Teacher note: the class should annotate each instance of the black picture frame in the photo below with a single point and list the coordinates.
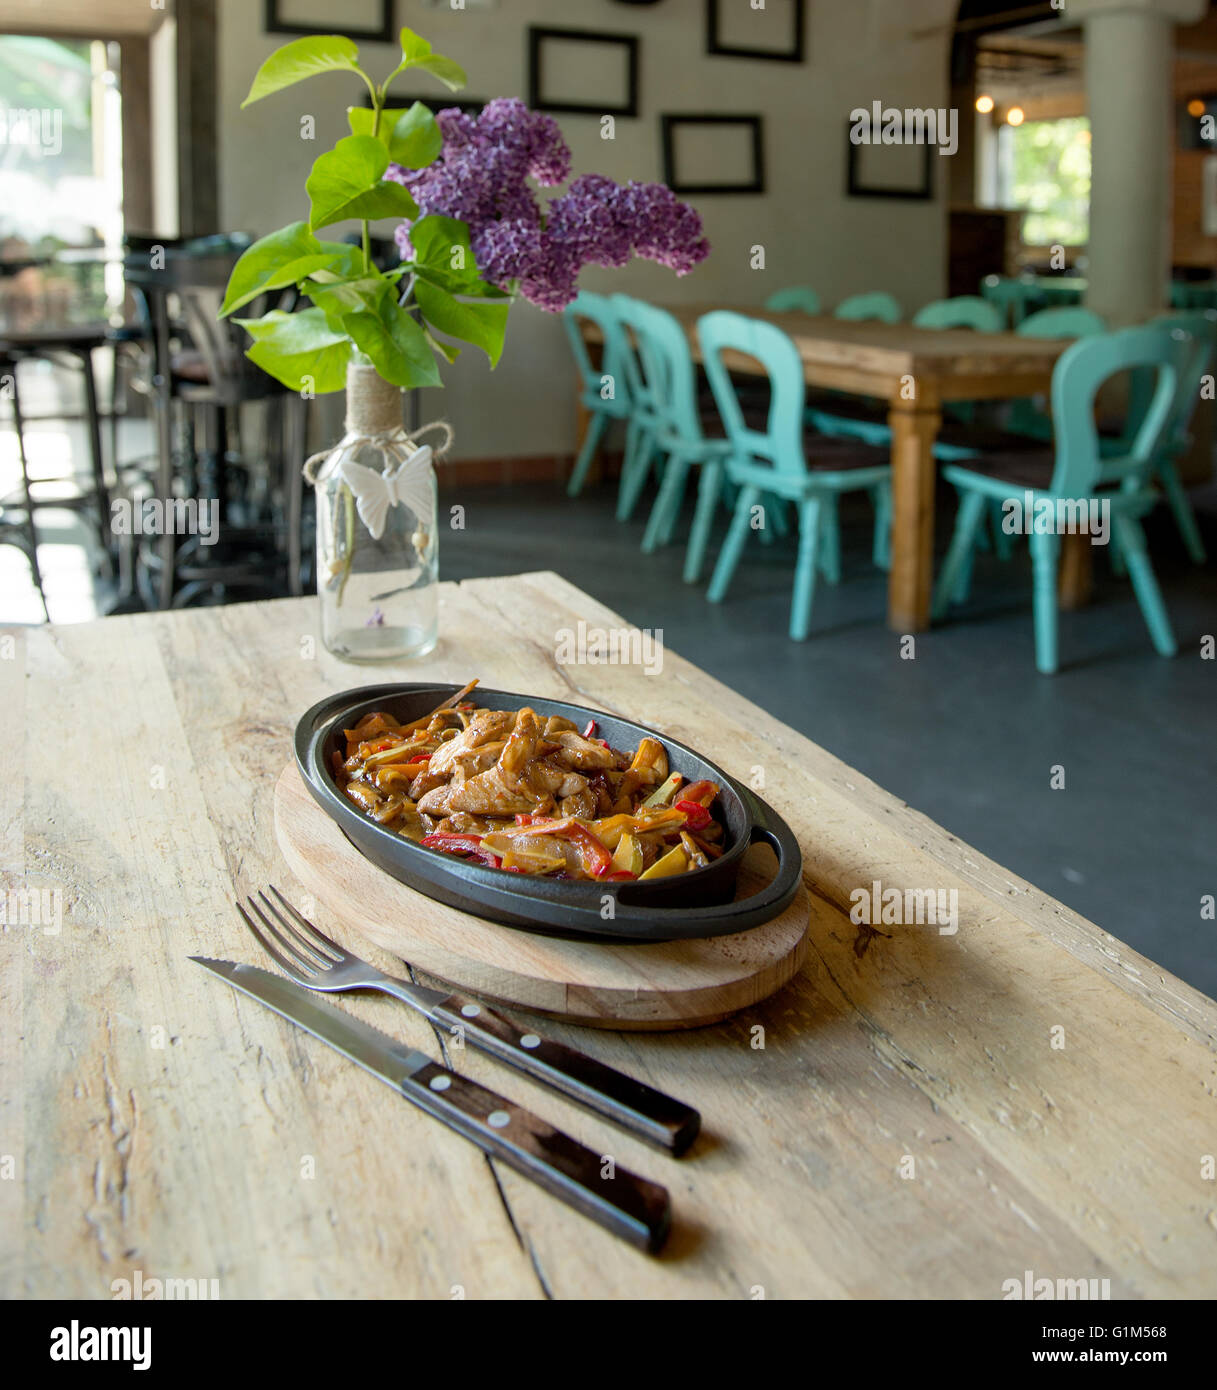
(855, 188)
(671, 175)
(796, 54)
(537, 38)
(384, 33)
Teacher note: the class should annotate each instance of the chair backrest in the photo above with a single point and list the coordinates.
(1200, 326)
(1066, 321)
(1008, 293)
(601, 311)
(796, 297)
(781, 443)
(1158, 348)
(659, 371)
(964, 311)
(876, 305)
(1027, 417)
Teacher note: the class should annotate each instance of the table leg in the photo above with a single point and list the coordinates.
(1076, 578)
(93, 423)
(914, 425)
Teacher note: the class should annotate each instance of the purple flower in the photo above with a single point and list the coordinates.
(482, 178)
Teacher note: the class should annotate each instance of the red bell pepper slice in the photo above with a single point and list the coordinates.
(696, 815)
(619, 873)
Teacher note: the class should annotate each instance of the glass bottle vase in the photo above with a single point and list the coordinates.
(377, 538)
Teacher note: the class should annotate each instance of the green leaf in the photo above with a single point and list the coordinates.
(416, 52)
(480, 323)
(416, 138)
(340, 297)
(442, 253)
(286, 257)
(395, 343)
(411, 134)
(300, 59)
(451, 74)
(300, 350)
(346, 182)
(447, 351)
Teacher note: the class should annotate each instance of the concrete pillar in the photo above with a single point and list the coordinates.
(1129, 56)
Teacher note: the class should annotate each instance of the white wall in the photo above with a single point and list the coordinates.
(858, 51)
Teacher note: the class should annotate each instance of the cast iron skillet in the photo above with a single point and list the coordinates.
(694, 904)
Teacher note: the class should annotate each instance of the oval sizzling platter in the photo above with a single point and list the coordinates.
(698, 903)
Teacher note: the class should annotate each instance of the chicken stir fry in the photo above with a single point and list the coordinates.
(529, 793)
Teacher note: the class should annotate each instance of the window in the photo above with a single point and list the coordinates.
(1044, 168)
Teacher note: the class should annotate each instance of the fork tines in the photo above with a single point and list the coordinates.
(306, 956)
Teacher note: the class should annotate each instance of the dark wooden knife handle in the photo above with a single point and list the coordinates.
(644, 1111)
(633, 1208)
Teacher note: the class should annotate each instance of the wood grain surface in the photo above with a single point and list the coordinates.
(929, 1115)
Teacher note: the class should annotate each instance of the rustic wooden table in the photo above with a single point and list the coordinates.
(916, 371)
(929, 1116)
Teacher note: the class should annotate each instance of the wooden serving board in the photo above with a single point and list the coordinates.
(653, 986)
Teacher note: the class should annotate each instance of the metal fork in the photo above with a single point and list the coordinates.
(310, 958)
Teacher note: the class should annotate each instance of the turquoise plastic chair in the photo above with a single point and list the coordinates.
(964, 311)
(603, 389)
(1067, 321)
(1010, 295)
(875, 305)
(772, 460)
(1201, 328)
(1079, 474)
(800, 298)
(665, 389)
(869, 422)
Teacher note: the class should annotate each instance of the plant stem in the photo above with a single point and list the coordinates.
(378, 103)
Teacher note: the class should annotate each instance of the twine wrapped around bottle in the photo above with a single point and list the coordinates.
(373, 411)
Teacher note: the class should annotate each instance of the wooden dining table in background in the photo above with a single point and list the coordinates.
(921, 1113)
(916, 371)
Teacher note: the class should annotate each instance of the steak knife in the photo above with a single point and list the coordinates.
(629, 1206)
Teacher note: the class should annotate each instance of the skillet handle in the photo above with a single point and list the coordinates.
(768, 826)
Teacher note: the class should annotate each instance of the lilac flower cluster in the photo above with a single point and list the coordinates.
(481, 177)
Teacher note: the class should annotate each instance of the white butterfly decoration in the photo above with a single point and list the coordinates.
(376, 492)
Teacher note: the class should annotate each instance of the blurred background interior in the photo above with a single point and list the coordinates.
(1085, 178)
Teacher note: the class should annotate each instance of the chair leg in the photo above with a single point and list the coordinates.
(830, 553)
(591, 442)
(634, 474)
(708, 488)
(1003, 541)
(728, 558)
(811, 519)
(775, 509)
(1045, 550)
(957, 566)
(1181, 510)
(1145, 585)
(881, 545)
(666, 507)
(31, 530)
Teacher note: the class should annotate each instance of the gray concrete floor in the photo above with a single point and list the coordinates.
(966, 732)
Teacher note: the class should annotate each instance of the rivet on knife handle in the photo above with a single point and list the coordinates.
(631, 1207)
(646, 1112)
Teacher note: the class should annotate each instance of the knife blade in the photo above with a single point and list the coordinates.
(629, 1206)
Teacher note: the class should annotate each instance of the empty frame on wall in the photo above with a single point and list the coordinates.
(890, 171)
(582, 72)
(777, 31)
(713, 154)
(371, 20)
